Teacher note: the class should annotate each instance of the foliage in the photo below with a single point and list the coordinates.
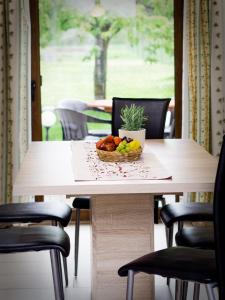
(133, 117)
(104, 27)
(153, 24)
(49, 27)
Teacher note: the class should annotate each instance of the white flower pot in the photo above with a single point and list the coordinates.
(135, 135)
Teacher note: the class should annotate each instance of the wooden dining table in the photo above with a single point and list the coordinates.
(121, 210)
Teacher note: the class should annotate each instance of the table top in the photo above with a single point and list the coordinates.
(47, 170)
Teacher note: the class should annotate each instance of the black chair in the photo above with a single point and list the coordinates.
(24, 239)
(34, 212)
(190, 264)
(180, 212)
(196, 237)
(74, 118)
(155, 110)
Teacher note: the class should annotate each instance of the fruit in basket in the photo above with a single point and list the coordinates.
(117, 140)
(123, 145)
(134, 145)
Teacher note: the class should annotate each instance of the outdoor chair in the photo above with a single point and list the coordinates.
(42, 238)
(74, 118)
(169, 131)
(35, 212)
(190, 264)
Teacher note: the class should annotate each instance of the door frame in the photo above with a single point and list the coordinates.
(178, 64)
(35, 73)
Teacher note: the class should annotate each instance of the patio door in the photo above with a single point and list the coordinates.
(36, 78)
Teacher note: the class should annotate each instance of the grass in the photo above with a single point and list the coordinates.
(66, 75)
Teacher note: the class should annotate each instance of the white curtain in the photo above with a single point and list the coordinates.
(15, 123)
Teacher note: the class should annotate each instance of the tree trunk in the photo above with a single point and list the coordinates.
(100, 69)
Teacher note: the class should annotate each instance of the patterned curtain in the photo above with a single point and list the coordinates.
(218, 75)
(15, 90)
(203, 96)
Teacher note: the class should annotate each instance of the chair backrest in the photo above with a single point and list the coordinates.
(71, 104)
(219, 220)
(74, 124)
(154, 109)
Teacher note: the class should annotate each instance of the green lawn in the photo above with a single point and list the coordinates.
(66, 75)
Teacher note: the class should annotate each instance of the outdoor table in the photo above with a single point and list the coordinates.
(122, 210)
(106, 105)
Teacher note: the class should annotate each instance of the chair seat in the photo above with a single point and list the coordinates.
(82, 202)
(196, 237)
(22, 239)
(172, 213)
(35, 212)
(176, 262)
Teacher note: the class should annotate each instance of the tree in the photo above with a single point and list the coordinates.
(153, 23)
(103, 29)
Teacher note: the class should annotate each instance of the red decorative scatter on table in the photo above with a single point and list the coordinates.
(105, 170)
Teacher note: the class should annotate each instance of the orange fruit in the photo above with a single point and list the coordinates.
(117, 140)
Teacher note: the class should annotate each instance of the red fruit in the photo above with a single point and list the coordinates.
(109, 139)
(117, 140)
(99, 143)
(110, 147)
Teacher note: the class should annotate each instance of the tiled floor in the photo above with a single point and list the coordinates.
(28, 276)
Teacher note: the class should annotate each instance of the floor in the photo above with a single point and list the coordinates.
(27, 276)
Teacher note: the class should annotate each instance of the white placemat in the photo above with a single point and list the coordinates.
(87, 166)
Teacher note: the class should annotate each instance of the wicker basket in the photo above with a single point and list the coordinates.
(116, 156)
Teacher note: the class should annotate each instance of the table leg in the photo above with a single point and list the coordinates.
(122, 230)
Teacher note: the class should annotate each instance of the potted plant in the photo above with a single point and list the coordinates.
(133, 121)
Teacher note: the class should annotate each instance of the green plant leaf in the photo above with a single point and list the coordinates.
(133, 117)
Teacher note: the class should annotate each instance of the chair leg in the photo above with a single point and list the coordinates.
(57, 274)
(65, 267)
(77, 231)
(178, 290)
(180, 225)
(163, 200)
(65, 270)
(177, 198)
(184, 290)
(210, 292)
(169, 235)
(130, 285)
(156, 208)
(54, 223)
(196, 291)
